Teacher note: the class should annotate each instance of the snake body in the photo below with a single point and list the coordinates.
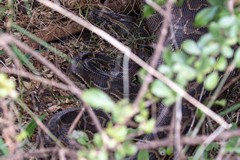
(126, 29)
(182, 23)
(96, 69)
(105, 72)
(60, 123)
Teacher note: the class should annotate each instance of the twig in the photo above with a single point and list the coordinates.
(207, 141)
(76, 120)
(43, 152)
(10, 54)
(62, 154)
(234, 80)
(157, 53)
(35, 78)
(178, 120)
(230, 5)
(9, 130)
(221, 151)
(187, 140)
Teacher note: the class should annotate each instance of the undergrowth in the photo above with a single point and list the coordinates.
(211, 63)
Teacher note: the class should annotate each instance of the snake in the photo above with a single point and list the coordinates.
(104, 71)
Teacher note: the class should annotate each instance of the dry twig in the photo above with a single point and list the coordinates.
(187, 140)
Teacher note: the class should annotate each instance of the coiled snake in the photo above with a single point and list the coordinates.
(96, 69)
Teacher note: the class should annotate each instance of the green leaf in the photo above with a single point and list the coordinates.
(231, 144)
(211, 49)
(143, 155)
(191, 47)
(227, 51)
(237, 57)
(143, 116)
(205, 39)
(231, 41)
(215, 30)
(167, 56)
(166, 70)
(169, 100)
(169, 151)
(212, 146)
(125, 149)
(219, 3)
(181, 80)
(81, 137)
(159, 89)
(205, 16)
(119, 153)
(204, 64)
(142, 74)
(233, 32)
(101, 155)
(97, 140)
(2, 52)
(200, 77)
(160, 2)
(28, 129)
(227, 21)
(147, 126)
(119, 133)
(24, 59)
(221, 64)
(120, 113)
(148, 11)
(3, 147)
(98, 99)
(179, 57)
(129, 148)
(221, 102)
(139, 118)
(211, 81)
(184, 71)
(179, 3)
(7, 87)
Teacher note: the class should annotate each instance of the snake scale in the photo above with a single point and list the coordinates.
(97, 69)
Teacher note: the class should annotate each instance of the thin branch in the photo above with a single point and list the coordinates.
(234, 80)
(11, 54)
(9, 129)
(35, 78)
(157, 53)
(76, 120)
(177, 129)
(40, 153)
(221, 151)
(187, 140)
(207, 141)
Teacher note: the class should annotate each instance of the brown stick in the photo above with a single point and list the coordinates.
(187, 140)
